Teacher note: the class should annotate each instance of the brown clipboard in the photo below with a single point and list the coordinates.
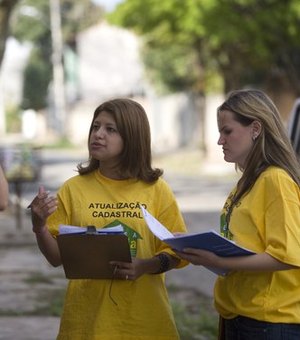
(87, 255)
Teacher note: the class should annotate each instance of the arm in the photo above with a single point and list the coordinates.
(3, 190)
(43, 206)
(257, 262)
(138, 267)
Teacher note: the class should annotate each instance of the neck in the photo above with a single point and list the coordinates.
(112, 173)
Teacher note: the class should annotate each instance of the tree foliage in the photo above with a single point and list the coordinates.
(37, 75)
(173, 37)
(247, 42)
(31, 22)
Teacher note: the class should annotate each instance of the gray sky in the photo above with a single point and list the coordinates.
(109, 5)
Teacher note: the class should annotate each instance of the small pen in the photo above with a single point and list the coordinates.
(29, 206)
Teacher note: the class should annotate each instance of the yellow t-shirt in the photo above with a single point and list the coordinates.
(143, 310)
(267, 220)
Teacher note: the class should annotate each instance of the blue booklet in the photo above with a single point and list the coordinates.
(209, 240)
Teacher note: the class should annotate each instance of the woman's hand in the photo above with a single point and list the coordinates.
(42, 207)
(130, 270)
(200, 257)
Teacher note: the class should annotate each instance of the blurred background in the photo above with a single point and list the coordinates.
(59, 59)
(62, 58)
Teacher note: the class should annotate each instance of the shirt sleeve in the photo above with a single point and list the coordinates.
(170, 216)
(283, 222)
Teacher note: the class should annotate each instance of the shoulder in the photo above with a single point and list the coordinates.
(275, 174)
(77, 180)
(277, 179)
(161, 184)
(159, 188)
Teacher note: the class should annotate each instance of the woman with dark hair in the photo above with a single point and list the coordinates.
(259, 298)
(109, 189)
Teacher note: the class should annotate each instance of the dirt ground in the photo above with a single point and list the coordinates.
(31, 291)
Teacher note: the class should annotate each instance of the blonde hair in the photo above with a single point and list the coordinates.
(272, 147)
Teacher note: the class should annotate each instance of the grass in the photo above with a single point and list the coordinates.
(194, 314)
(195, 327)
(37, 277)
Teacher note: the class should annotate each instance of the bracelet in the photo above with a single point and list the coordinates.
(164, 263)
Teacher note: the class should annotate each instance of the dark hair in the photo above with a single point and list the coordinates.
(133, 126)
(272, 147)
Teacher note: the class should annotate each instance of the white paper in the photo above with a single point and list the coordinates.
(70, 229)
(155, 226)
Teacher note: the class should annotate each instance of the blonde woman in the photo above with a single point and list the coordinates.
(260, 297)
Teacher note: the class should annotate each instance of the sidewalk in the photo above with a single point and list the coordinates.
(29, 284)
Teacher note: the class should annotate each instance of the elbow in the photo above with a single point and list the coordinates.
(55, 262)
(3, 205)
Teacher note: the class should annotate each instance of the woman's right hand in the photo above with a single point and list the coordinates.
(42, 206)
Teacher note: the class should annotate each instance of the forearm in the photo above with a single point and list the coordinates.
(138, 267)
(157, 264)
(162, 263)
(48, 246)
(3, 190)
(257, 262)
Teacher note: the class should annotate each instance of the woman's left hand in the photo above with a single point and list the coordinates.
(129, 270)
(200, 257)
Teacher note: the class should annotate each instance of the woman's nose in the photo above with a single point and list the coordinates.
(100, 132)
(220, 140)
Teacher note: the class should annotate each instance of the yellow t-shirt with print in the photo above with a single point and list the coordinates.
(143, 310)
(267, 219)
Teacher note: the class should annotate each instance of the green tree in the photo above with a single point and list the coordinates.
(172, 40)
(256, 42)
(37, 75)
(31, 22)
(187, 43)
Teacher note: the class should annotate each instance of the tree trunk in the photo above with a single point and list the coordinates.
(6, 7)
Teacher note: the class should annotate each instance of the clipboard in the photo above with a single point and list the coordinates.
(87, 255)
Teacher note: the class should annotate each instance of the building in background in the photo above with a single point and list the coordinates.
(106, 65)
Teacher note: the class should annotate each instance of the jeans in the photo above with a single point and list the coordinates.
(243, 328)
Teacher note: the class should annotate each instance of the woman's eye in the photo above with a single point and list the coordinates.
(95, 127)
(111, 129)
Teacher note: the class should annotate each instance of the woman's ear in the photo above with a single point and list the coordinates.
(256, 129)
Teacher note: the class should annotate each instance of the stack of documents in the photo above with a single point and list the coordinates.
(86, 252)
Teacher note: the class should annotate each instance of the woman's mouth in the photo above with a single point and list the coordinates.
(96, 145)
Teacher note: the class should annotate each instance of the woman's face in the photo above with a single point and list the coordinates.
(106, 143)
(235, 138)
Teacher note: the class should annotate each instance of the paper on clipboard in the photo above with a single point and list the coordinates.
(87, 255)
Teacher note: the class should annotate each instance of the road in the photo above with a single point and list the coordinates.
(28, 283)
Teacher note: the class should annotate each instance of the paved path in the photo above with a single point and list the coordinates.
(24, 271)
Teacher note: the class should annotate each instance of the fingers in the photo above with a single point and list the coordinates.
(42, 194)
(122, 270)
(41, 190)
(43, 204)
